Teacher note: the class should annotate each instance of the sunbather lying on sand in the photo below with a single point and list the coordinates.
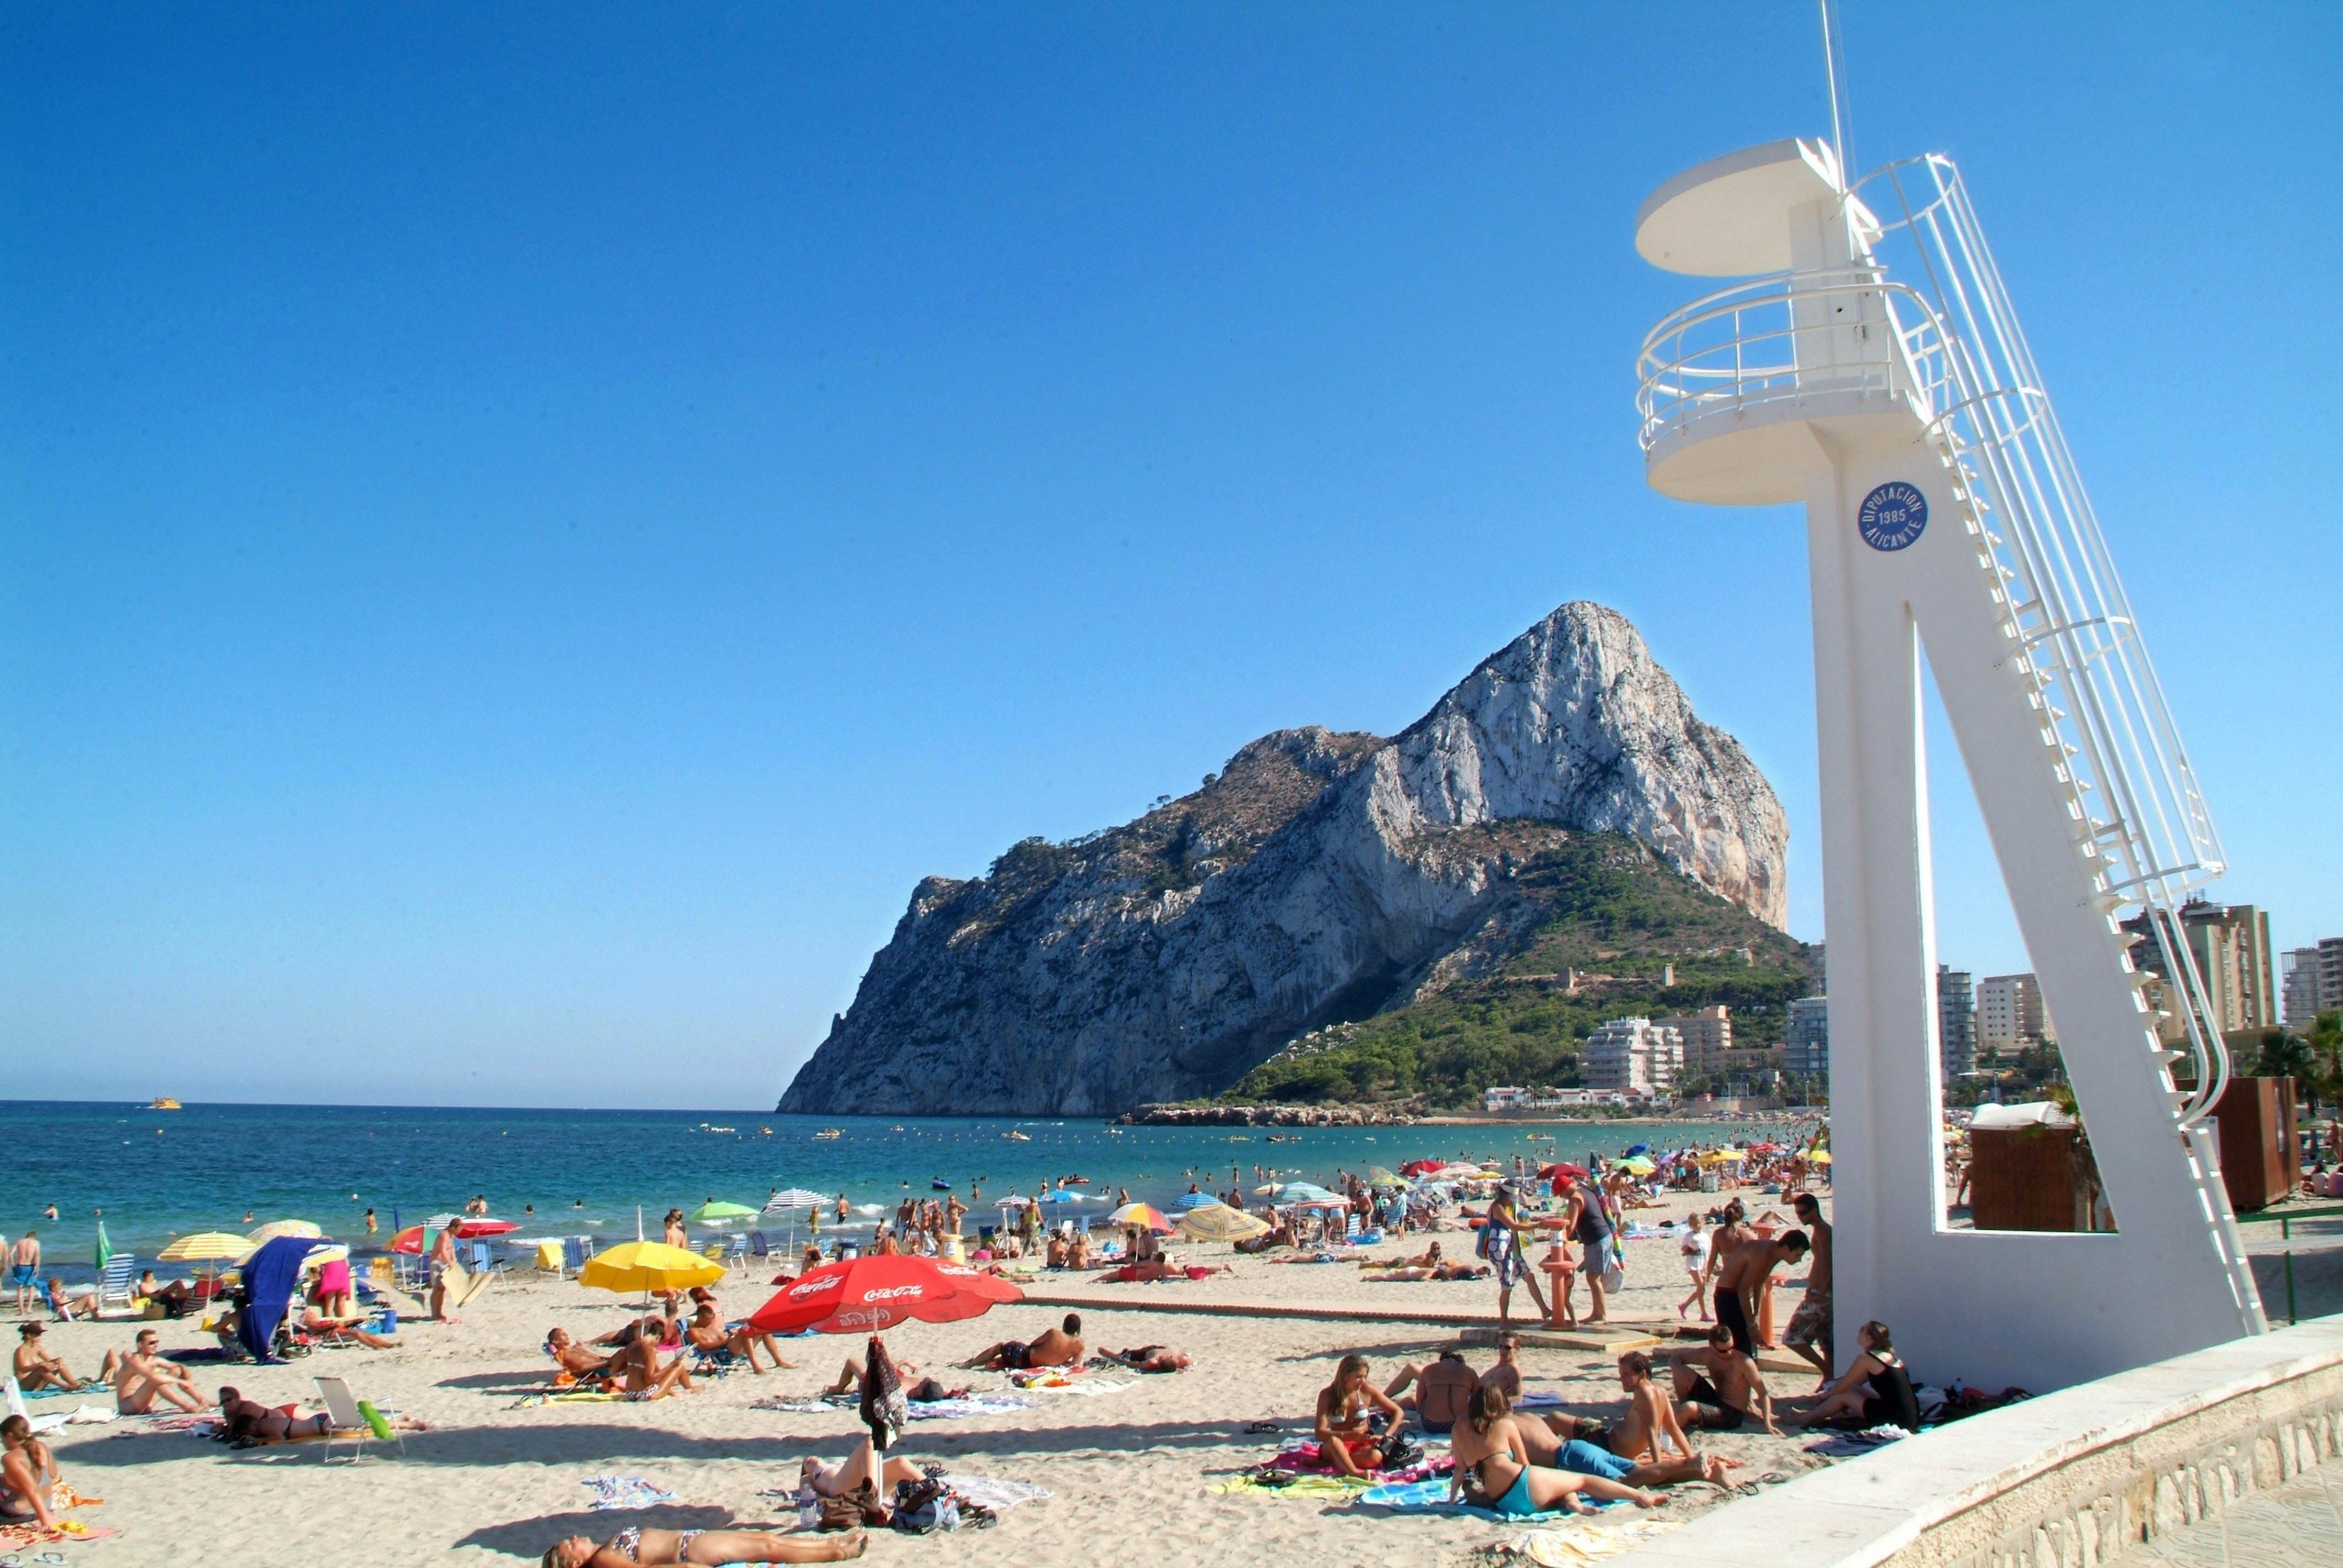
(1494, 1469)
(849, 1376)
(1428, 1258)
(1436, 1271)
(144, 1376)
(837, 1477)
(1151, 1359)
(1059, 1347)
(313, 1322)
(665, 1548)
(249, 1421)
(1637, 1442)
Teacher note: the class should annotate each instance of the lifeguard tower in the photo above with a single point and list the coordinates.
(1870, 366)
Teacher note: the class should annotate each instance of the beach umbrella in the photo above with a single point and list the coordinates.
(1635, 1148)
(1638, 1164)
(206, 1247)
(1196, 1200)
(1563, 1168)
(714, 1213)
(1145, 1214)
(474, 1230)
(1218, 1222)
(409, 1241)
(1379, 1177)
(1308, 1192)
(276, 1228)
(1420, 1167)
(648, 1266)
(867, 1294)
(1819, 1156)
(794, 1198)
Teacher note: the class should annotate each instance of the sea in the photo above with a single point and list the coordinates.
(149, 1175)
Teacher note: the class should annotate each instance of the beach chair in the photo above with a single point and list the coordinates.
(713, 1252)
(483, 1263)
(573, 1256)
(114, 1286)
(351, 1424)
(736, 1253)
(758, 1245)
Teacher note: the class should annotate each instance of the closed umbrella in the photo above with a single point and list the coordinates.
(1218, 1222)
(868, 1294)
(105, 1248)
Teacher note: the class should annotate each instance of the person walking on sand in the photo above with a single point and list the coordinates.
(1501, 1245)
(1694, 1248)
(24, 1272)
(1809, 1333)
(443, 1257)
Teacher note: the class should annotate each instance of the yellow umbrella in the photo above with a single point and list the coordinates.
(1218, 1222)
(648, 1266)
(206, 1247)
(1819, 1156)
(276, 1228)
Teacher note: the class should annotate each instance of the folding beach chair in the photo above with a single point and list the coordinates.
(482, 1261)
(573, 1256)
(115, 1287)
(736, 1253)
(758, 1246)
(351, 1424)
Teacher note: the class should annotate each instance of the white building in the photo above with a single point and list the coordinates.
(1707, 1036)
(1503, 1097)
(1633, 1054)
(2010, 1015)
(2300, 987)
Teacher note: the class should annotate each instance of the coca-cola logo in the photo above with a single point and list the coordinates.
(892, 1293)
(806, 1288)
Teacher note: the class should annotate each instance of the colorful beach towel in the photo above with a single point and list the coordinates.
(626, 1491)
(975, 1404)
(1582, 1541)
(1432, 1497)
(149, 1426)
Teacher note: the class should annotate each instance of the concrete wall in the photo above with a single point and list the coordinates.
(2063, 1481)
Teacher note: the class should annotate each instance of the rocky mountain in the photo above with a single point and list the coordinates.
(1319, 878)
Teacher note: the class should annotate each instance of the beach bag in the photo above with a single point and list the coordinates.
(924, 1506)
(1614, 1272)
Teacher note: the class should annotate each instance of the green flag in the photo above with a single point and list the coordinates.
(104, 1249)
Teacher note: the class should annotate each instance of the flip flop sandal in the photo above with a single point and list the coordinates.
(1264, 1426)
(11, 1560)
(50, 1557)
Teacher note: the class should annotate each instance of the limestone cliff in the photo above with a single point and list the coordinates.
(1318, 878)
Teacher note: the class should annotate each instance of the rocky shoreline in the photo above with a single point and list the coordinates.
(1265, 1116)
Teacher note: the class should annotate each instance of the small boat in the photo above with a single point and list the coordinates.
(1020, 1137)
(1073, 1180)
(164, 1103)
(940, 1185)
(828, 1133)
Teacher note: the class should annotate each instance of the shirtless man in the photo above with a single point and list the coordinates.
(1742, 1279)
(1640, 1437)
(1345, 1441)
(1809, 1333)
(1507, 1373)
(35, 1368)
(443, 1257)
(315, 1322)
(576, 1360)
(1731, 1394)
(849, 1376)
(1151, 1358)
(24, 1271)
(1443, 1390)
(144, 1376)
(1059, 1347)
(708, 1332)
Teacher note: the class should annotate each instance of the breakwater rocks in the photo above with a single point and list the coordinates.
(1265, 1116)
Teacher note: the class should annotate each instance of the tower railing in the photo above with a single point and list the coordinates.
(1948, 338)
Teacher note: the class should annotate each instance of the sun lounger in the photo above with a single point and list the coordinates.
(354, 1422)
(116, 1287)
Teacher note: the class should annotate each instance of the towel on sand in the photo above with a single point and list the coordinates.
(1844, 1445)
(626, 1491)
(975, 1404)
(987, 1491)
(1582, 1541)
(1432, 1497)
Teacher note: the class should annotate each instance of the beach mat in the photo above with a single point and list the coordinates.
(1432, 1497)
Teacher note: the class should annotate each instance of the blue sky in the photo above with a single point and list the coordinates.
(523, 533)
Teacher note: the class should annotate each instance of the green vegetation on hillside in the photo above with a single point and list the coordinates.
(1606, 907)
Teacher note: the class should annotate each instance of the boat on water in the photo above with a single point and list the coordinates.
(164, 1103)
(940, 1185)
(828, 1133)
(1019, 1137)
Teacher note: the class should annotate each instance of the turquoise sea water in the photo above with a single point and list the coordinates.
(156, 1174)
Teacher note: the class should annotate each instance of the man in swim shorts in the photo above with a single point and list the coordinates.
(1743, 1279)
(1736, 1395)
(25, 1273)
(1058, 1347)
(1809, 1333)
(1634, 1449)
(144, 1376)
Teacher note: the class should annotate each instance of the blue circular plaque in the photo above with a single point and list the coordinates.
(1893, 516)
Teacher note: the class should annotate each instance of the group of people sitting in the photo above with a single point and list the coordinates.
(628, 1359)
(1514, 1465)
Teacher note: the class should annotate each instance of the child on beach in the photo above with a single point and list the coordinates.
(1694, 1248)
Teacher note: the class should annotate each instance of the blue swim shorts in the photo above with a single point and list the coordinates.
(1588, 1460)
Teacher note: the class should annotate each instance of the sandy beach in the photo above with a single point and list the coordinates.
(1131, 1472)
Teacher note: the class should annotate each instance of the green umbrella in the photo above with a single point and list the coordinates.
(105, 1248)
(713, 1210)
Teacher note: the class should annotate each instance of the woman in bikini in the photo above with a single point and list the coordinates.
(1345, 1441)
(1875, 1391)
(635, 1547)
(1494, 1469)
(28, 1474)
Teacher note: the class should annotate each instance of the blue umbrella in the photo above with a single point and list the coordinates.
(1187, 1201)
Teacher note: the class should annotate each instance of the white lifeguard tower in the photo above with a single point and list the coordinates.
(1872, 367)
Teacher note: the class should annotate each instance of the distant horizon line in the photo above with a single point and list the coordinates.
(147, 1104)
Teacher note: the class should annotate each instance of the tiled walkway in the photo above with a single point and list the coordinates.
(2301, 1523)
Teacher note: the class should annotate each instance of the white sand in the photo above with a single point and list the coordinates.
(1130, 1472)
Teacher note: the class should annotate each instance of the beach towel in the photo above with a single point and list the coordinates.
(80, 1415)
(988, 1492)
(153, 1425)
(269, 1275)
(1584, 1540)
(1287, 1484)
(975, 1404)
(1539, 1399)
(1432, 1497)
(626, 1491)
(567, 1396)
(1847, 1444)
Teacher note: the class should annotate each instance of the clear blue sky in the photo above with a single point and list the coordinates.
(523, 532)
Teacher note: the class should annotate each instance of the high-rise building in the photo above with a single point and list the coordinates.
(2010, 1015)
(1707, 1035)
(2230, 945)
(2300, 988)
(1805, 1037)
(1633, 1053)
(1818, 968)
(1956, 1021)
(2330, 973)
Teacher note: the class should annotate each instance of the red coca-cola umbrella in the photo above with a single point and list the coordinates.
(865, 1296)
(1576, 1173)
(473, 1229)
(1420, 1166)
